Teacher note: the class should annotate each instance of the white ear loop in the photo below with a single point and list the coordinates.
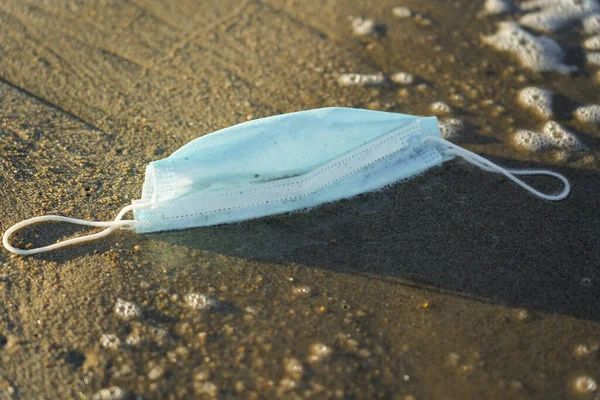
(112, 225)
(489, 166)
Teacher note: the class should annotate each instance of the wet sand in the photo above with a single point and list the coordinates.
(454, 285)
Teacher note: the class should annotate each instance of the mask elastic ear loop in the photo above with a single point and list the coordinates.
(489, 166)
(111, 226)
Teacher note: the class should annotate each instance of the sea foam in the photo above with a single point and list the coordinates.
(538, 53)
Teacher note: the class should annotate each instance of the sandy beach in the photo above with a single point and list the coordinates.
(456, 284)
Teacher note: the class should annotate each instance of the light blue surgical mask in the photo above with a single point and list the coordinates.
(281, 164)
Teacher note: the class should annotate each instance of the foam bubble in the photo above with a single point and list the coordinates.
(539, 100)
(402, 12)
(302, 291)
(207, 389)
(592, 43)
(553, 15)
(552, 136)
(584, 384)
(593, 58)
(561, 138)
(110, 341)
(364, 27)
(156, 373)
(440, 108)
(111, 393)
(452, 128)
(362, 80)
(293, 368)
(538, 53)
(588, 114)
(531, 140)
(497, 7)
(318, 352)
(591, 24)
(200, 301)
(403, 78)
(127, 310)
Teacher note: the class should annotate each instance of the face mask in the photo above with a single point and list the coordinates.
(281, 164)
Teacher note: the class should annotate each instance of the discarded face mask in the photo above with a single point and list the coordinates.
(280, 164)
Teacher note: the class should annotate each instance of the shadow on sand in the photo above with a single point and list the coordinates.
(456, 229)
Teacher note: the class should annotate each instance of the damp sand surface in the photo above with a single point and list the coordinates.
(454, 285)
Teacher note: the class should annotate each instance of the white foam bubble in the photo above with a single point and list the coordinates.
(584, 384)
(440, 108)
(539, 100)
(531, 140)
(364, 26)
(552, 137)
(593, 58)
(127, 310)
(402, 12)
(362, 80)
(538, 53)
(317, 352)
(403, 78)
(553, 15)
(592, 43)
(200, 301)
(111, 393)
(110, 341)
(591, 24)
(588, 114)
(497, 7)
(560, 137)
(452, 128)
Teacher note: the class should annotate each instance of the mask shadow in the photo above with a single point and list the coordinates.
(455, 229)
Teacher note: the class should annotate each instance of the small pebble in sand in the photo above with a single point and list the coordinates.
(423, 20)
(364, 27)
(156, 373)
(453, 359)
(592, 43)
(110, 341)
(403, 78)
(200, 301)
(586, 282)
(539, 100)
(127, 310)
(317, 352)
(207, 389)
(401, 12)
(538, 53)
(111, 393)
(588, 114)
(522, 315)
(584, 384)
(440, 108)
